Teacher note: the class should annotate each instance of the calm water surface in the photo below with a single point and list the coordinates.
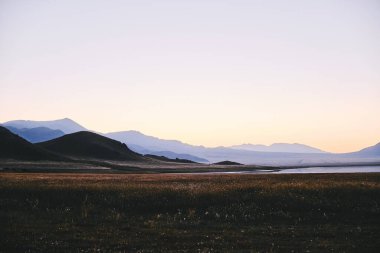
(342, 169)
(309, 170)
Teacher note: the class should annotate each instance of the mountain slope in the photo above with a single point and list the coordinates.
(87, 145)
(168, 154)
(152, 143)
(368, 152)
(279, 147)
(13, 146)
(65, 125)
(37, 134)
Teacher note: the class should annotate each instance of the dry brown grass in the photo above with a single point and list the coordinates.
(182, 212)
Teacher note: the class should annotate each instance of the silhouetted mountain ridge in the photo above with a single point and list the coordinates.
(88, 145)
(13, 146)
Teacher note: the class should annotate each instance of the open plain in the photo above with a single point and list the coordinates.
(76, 212)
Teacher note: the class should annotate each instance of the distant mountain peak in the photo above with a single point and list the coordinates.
(66, 125)
(36, 134)
(67, 119)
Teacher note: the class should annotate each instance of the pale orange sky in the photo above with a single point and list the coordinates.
(213, 73)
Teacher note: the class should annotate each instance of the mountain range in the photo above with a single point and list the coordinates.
(65, 125)
(279, 147)
(36, 134)
(81, 146)
(278, 153)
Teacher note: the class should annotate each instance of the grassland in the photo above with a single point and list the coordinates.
(66, 212)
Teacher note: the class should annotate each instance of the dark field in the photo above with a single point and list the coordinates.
(189, 213)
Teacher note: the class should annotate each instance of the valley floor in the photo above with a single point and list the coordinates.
(67, 212)
(122, 167)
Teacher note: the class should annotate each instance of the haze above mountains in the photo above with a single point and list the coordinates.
(275, 154)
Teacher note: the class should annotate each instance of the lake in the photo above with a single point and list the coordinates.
(340, 169)
(309, 170)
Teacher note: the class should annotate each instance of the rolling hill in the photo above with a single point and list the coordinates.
(88, 145)
(227, 163)
(14, 147)
(166, 159)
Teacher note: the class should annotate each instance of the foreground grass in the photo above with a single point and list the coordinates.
(189, 213)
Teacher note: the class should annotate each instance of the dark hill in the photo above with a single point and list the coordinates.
(90, 146)
(227, 163)
(13, 146)
(165, 159)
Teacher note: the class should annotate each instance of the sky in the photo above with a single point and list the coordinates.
(206, 72)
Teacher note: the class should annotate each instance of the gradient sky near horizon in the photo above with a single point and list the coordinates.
(206, 72)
